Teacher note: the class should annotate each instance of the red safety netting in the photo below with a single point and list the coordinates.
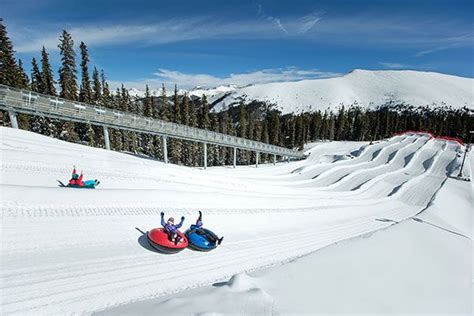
(448, 138)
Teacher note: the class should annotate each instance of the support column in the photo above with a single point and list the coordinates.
(106, 138)
(165, 148)
(235, 156)
(205, 155)
(257, 156)
(288, 158)
(13, 119)
(274, 159)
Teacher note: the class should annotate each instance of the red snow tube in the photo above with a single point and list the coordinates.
(159, 240)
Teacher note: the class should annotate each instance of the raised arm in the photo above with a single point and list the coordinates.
(199, 218)
(163, 219)
(180, 223)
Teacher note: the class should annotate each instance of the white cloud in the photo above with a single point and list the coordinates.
(31, 40)
(157, 33)
(363, 29)
(291, 25)
(188, 80)
(448, 43)
(394, 65)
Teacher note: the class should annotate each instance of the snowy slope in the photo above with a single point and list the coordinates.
(411, 268)
(364, 87)
(78, 251)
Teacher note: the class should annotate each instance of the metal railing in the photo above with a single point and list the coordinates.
(23, 101)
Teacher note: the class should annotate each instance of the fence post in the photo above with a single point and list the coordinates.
(235, 156)
(106, 138)
(165, 149)
(205, 155)
(13, 119)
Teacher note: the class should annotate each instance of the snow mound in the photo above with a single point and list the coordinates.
(242, 282)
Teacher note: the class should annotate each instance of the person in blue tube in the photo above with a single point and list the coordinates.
(198, 229)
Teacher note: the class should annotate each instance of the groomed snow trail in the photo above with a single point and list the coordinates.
(68, 251)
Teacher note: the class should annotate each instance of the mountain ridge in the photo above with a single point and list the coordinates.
(366, 88)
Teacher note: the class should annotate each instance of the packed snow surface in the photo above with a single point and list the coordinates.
(414, 267)
(364, 87)
(70, 251)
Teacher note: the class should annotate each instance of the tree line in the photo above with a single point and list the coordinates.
(258, 121)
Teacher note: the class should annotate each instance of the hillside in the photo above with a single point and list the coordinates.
(68, 251)
(363, 87)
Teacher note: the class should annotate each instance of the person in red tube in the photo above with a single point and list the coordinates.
(171, 228)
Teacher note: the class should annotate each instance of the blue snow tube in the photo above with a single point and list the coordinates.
(201, 242)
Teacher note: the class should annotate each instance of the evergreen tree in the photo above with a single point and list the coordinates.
(124, 101)
(230, 131)
(332, 127)
(90, 135)
(22, 82)
(187, 154)
(147, 105)
(243, 130)
(85, 131)
(194, 152)
(85, 93)
(185, 110)
(176, 107)
(214, 149)
(22, 79)
(341, 124)
(164, 113)
(223, 125)
(275, 128)
(67, 71)
(242, 120)
(8, 66)
(128, 138)
(265, 137)
(38, 123)
(96, 87)
(36, 84)
(148, 140)
(299, 128)
(106, 99)
(204, 121)
(176, 144)
(47, 79)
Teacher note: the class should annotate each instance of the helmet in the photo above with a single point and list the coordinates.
(171, 219)
(75, 176)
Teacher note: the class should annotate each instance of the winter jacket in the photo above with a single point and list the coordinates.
(77, 181)
(171, 228)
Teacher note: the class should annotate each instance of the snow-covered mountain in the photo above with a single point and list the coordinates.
(365, 87)
(195, 92)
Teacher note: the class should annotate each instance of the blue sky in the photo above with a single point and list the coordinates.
(209, 43)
